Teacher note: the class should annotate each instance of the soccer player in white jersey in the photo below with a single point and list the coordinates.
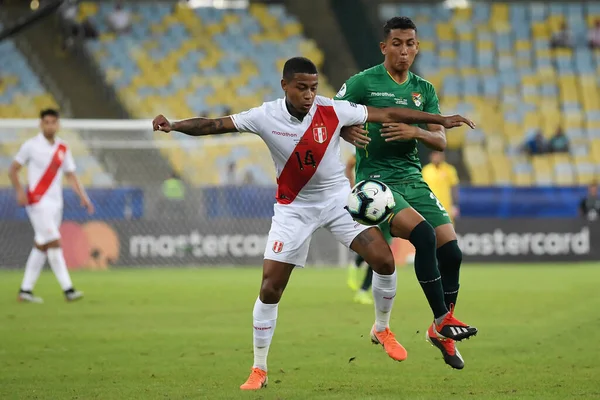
(302, 132)
(47, 158)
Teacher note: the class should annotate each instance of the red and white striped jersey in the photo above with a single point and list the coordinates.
(46, 163)
(306, 153)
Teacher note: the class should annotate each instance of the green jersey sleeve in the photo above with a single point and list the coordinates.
(353, 90)
(432, 103)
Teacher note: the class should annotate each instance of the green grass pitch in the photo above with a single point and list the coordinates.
(186, 334)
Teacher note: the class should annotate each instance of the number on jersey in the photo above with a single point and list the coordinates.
(308, 159)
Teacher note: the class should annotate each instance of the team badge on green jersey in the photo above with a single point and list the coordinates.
(417, 99)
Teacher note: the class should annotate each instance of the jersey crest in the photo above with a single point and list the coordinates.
(417, 99)
(342, 91)
(320, 134)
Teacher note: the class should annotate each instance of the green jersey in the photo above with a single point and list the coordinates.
(397, 161)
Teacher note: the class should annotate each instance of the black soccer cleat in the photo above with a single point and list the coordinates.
(448, 348)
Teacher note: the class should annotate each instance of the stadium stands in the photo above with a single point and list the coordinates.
(23, 96)
(184, 62)
(495, 62)
(21, 93)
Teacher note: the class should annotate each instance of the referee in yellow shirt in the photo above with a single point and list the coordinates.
(443, 182)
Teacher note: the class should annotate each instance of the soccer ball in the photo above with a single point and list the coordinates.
(370, 202)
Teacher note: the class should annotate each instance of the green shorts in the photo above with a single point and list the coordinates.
(418, 196)
(385, 229)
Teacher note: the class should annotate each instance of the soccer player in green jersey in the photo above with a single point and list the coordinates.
(388, 153)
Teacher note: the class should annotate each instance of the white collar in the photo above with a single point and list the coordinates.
(293, 119)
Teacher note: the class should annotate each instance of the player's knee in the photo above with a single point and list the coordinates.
(270, 291)
(423, 237)
(450, 255)
(384, 263)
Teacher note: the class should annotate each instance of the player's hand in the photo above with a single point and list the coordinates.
(22, 199)
(355, 135)
(454, 121)
(399, 131)
(87, 204)
(160, 123)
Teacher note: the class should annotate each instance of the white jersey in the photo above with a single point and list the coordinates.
(46, 163)
(306, 153)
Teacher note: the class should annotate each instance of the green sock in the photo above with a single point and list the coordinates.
(426, 269)
(449, 259)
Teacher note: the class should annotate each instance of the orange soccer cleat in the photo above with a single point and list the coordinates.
(257, 380)
(452, 328)
(391, 346)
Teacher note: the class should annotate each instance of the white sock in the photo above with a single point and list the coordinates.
(35, 263)
(264, 321)
(384, 292)
(59, 267)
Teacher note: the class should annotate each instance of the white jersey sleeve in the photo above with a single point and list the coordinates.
(24, 153)
(350, 113)
(69, 162)
(250, 121)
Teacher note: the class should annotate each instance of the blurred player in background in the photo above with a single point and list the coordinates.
(443, 182)
(391, 156)
(302, 133)
(47, 159)
(362, 295)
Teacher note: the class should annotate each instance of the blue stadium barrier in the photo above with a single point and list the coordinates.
(257, 202)
(239, 201)
(110, 204)
(519, 202)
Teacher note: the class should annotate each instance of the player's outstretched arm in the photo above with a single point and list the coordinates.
(408, 116)
(195, 126)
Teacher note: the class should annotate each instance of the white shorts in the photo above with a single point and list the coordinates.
(292, 227)
(45, 220)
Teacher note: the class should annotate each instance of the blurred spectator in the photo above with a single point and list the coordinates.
(249, 178)
(173, 187)
(559, 143)
(594, 36)
(72, 29)
(562, 38)
(173, 190)
(231, 176)
(590, 205)
(536, 144)
(442, 179)
(120, 19)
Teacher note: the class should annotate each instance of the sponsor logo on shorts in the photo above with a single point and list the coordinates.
(277, 246)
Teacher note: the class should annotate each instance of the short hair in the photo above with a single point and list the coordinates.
(298, 65)
(49, 112)
(398, 23)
